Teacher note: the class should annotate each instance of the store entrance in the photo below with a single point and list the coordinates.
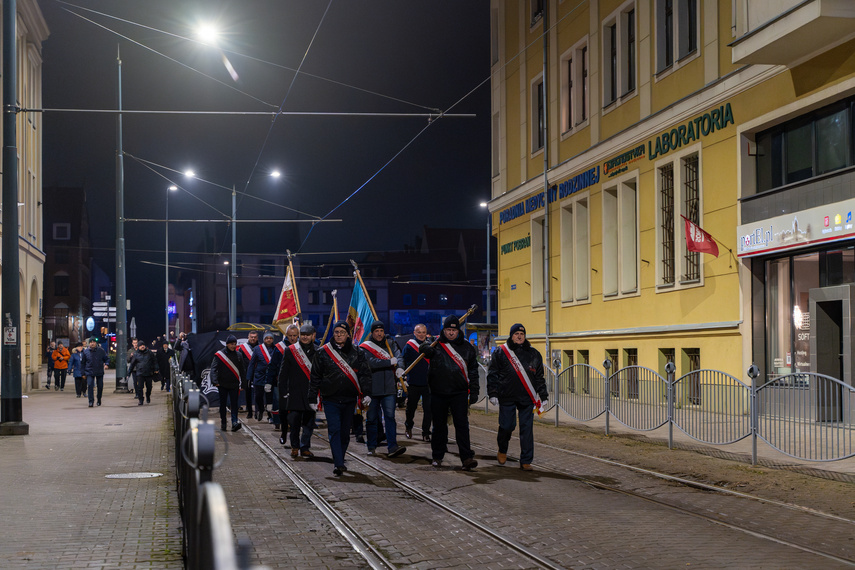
(831, 316)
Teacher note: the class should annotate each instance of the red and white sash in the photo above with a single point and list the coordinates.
(345, 367)
(375, 349)
(458, 360)
(221, 354)
(267, 354)
(245, 349)
(281, 346)
(302, 359)
(415, 346)
(523, 376)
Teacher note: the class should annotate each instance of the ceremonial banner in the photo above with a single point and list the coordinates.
(286, 309)
(359, 315)
(699, 240)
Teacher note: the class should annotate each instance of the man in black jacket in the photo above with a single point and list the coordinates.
(453, 381)
(164, 355)
(143, 366)
(515, 384)
(294, 376)
(227, 373)
(342, 378)
(417, 381)
(385, 371)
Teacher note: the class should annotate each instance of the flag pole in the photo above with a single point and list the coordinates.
(436, 340)
(299, 314)
(374, 314)
(332, 315)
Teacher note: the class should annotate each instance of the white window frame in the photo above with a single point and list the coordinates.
(677, 161)
(621, 237)
(575, 87)
(626, 75)
(679, 36)
(533, 102)
(575, 220)
(62, 226)
(538, 293)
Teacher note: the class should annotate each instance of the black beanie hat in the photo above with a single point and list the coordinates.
(515, 328)
(231, 338)
(343, 325)
(451, 322)
(377, 325)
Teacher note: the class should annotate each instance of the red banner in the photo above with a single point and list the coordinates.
(287, 307)
(699, 240)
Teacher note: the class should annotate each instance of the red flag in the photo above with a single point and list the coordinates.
(699, 240)
(287, 306)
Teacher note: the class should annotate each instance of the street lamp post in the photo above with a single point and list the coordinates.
(233, 284)
(171, 188)
(229, 283)
(489, 223)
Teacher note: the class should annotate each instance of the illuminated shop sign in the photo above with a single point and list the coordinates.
(828, 223)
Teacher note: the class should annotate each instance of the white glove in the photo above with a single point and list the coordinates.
(406, 385)
(494, 401)
(393, 361)
(269, 407)
(268, 387)
(314, 407)
(398, 373)
(366, 400)
(544, 405)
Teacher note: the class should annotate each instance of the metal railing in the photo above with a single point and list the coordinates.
(208, 537)
(806, 416)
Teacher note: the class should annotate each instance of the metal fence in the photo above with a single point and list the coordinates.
(806, 416)
(208, 537)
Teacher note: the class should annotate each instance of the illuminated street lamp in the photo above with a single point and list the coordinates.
(171, 188)
(489, 220)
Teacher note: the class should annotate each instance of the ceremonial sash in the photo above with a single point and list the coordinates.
(231, 365)
(301, 358)
(345, 367)
(245, 349)
(415, 346)
(267, 355)
(371, 347)
(281, 346)
(521, 373)
(458, 360)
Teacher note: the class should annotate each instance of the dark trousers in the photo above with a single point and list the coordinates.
(508, 423)
(459, 406)
(339, 418)
(80, 385)
(413, 395)
(92, 382)
(229, 396)
(140, 382)
(49, 374)
(59, 377)
(305, 421)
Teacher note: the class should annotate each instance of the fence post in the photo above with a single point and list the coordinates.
(607, 364)
(669, 371)
(753, 373)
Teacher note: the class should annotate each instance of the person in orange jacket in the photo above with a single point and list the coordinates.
(60, 358)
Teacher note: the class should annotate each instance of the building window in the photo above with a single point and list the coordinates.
(443, 299)
(535, 11)
(619, 54)
(676, 31)
(678, 194)
(538, 114)
(574, 87)
(620, 239)
(408, 300)
(61, 285)
(422, 300)
(62, 231)
(314, 297)
(268, 267)
(666, 355)
(631, 376)
(458, 300)
(692, 382)
(266, 295)
(614, 366)
(575, 250)
(538, 296)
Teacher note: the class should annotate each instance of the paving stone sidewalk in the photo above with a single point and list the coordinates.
(59, 508)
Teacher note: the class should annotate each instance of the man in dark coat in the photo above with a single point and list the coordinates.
(93, 363)
(143, 366)
(227, 373)
(294, 376)
(385, 371)
(164, 356)
(417, 383)
(264, 359)
(245, 349)
(515, 384)
(342, 378)
(453, 381)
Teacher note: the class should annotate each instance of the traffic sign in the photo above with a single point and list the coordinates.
(100, 304)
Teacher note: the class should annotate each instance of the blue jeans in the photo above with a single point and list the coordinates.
(339, 420)
(90, 382)
(387, 403)
(508, 423)
(229, 396)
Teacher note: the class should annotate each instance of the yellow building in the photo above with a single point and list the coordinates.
(31, 30)
(735, 115)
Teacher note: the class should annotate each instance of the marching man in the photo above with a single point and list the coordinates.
(515, 384)
(261, 374)
(227, 372)
(385, 373)
(294, 376)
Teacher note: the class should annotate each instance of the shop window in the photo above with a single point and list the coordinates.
(619, 54)
(575, 250)
(678, 194)
(620, 239)
(676, 31)
(574, 87)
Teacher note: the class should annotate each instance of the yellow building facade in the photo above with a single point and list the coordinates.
(617, 122)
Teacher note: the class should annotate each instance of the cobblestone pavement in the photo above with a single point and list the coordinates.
(574, 524)
(58, 508)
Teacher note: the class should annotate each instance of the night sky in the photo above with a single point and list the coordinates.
(354, 56)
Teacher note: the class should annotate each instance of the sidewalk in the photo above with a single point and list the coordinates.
(60, 509)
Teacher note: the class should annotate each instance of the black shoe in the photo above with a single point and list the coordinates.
(249, 415)
(436, 463)
(398, 450)
(425, 437)
(90, 404)
(140, 403)
(338, 471)
(99, 402)
(237, 426)
(55, 387)
(470, 464)
(360, 439)
(148, 399)
(282, 440)
(62, 389)
(222, 426)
